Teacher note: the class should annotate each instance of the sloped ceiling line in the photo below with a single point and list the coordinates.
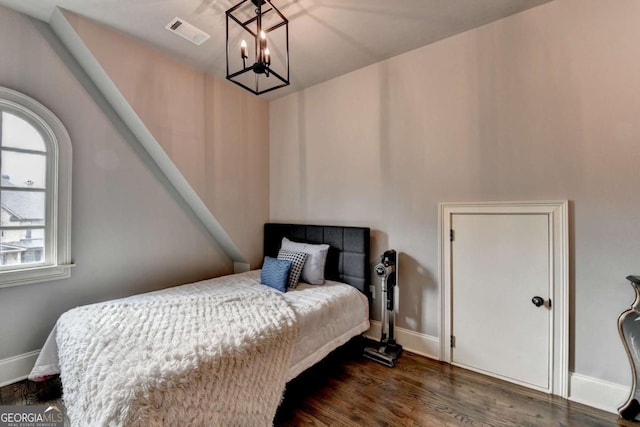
(73, 42)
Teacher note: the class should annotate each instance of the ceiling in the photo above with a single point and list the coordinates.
(328, 38)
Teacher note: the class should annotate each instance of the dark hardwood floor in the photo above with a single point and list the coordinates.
(31, 393)
(348, 390)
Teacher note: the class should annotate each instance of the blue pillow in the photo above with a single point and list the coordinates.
(275, 273)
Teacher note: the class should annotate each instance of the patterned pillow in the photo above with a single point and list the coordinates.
(275, 273)
(313, 270)
(297, 262)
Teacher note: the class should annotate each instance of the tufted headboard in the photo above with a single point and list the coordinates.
(348, 257)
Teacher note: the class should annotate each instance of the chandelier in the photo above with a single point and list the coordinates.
(257, 46)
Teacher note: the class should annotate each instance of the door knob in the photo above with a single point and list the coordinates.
(537, 301)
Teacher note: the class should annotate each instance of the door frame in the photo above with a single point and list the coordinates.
(558, 215)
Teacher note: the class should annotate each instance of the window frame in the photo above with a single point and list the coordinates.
(57, 246)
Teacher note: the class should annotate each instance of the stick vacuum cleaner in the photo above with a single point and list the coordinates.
(387, 350)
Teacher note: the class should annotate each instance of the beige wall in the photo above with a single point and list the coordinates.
(215, 133)
(130, 233)
(543, 105)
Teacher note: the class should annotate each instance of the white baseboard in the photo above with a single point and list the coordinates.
(16, 368)
(415, 342)
(597, 393)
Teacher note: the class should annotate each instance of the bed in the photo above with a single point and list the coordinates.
(216, 352)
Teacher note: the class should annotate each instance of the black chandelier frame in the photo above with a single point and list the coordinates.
(260, 66)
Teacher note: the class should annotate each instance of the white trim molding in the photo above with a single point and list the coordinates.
(57, 260)
(241, 267)
(16, 368)
(558, 214)
(597, 393)
(414, 342)
(98, 83)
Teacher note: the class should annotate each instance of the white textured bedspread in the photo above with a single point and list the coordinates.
(216, 357)
(326, 317)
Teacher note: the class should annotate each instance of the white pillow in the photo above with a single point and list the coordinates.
(313, 270)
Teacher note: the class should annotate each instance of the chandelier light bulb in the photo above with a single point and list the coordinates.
(263, 41)
(243, 49)
(267, 56)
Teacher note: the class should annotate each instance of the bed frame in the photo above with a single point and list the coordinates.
(348, 257)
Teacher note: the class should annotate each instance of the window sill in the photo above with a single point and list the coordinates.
(35, 275)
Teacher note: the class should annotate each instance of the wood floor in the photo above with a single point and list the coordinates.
(31, 393)
(347, 390)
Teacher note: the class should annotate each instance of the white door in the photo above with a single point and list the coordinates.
(499, 262)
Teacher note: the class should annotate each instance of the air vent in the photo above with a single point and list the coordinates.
(182, 28)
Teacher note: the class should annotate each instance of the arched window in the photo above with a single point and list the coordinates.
(35, 192)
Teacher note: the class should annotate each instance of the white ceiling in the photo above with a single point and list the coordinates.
(328, 38)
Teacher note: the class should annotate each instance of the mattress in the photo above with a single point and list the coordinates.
(328, 316)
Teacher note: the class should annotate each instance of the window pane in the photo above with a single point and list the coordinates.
(19, 246)
(23, 170)
(18, 133)
(20, 208)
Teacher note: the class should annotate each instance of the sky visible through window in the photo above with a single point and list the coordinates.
(23, 165)
(25, 169)
(18, 133)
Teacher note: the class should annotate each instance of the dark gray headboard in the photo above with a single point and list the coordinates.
(348, 258)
